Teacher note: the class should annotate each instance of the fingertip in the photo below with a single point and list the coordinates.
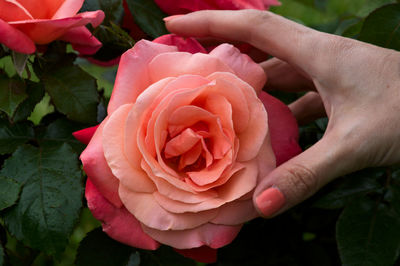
(170, 18)
(270, 201)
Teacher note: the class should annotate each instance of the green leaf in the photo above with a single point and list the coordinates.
(9, 192)
(382, 27)
(50, 199)
(73, 93)
(148, 16)
(353, 31)
(350, 186)
(12, 94)
(112, 8)
(19, 61)
(99, 249)
(115, 42)
(14, 135)
(35, 93)
(368, 233)
(59, 132)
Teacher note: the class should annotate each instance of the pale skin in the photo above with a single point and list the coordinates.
(357, 85)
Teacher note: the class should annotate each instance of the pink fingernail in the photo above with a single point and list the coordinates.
(270, 201)
(166, 19)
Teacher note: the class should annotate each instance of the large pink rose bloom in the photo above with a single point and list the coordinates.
(24, 23)
(174, 7)
(186, 140)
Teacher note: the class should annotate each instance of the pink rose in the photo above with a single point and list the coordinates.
(174, 7)
(24, 23)
(184, 144)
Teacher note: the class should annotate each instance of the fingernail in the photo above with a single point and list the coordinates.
(172, 17)
(270, 201)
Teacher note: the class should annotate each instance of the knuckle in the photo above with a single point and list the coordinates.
(256, 17)
(301, 181)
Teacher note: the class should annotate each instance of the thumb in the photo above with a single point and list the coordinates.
(300, 177)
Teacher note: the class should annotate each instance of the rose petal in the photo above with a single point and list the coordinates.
(271, 3)
(176, 193)
(189, 115)
(68, 8)
(202, 254)
(266, 159)
(229, 170)
(82, 40)
(15, 39)
(189, 45)
(239, 184)
(236, 213)
(139, 115)
(161, 97)
(118, 223)
(174, 7)
(251, 139)
(149, 212)
(133, 76)
(181, 143)
(96, 168)
(13, 10)
(220, 106)
(192, 155)
(175, 64)
(85, 135)
(211, 174)
(243, 66)
(212, 235)
(283, 129)
(113, 137)
(44, 9)
(43, 31)
(160, 115)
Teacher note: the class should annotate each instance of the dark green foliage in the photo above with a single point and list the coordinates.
(72, 90)
(349, 187)
(58, 132)
(50, 199)
(382, 27)
(98, 249)
(19, 61)
(12, 94)
(115, 41)
(35, 92)
(73, 93)
(368, 233)
(9, 192)
(13, 135)
(112, 9)
(148, 16)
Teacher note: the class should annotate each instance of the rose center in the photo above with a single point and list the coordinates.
(190, 149)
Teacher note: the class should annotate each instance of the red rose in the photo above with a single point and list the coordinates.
(174, 7)
(185, 143)
(24, 23)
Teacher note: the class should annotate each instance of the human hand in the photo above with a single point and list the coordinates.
(356, 84)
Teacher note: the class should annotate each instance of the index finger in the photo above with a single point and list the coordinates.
(280, 37)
